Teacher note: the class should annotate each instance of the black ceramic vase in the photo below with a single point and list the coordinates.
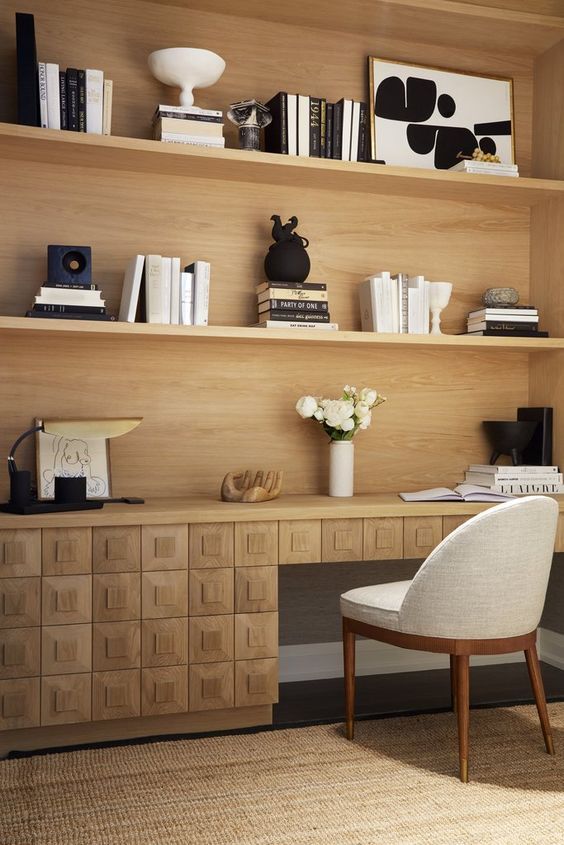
(509, 437)
(287, 261)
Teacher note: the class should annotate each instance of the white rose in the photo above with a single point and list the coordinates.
(318, 414)
(365, 421)
(337, 411)
(306, 406)
(361, 410)
(347, 425)
(368, 395)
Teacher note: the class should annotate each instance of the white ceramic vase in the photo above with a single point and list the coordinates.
(341, 468)
(186, 68)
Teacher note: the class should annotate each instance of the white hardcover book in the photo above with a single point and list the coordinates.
(187, 110)
(196, 140)
(502, 313)
(166, 278)
(107, 107)
(303, 125)
(284, 324)
(292, 117)
(42, 75)
(367, 321)
(505, 469)
(67, 296)
(347, 125)
(524, 489)
(53, 96)
(153, 295)
(186, 299)
(355, 129)
(174, 126)
(517, 478)
(418, 305)
(412, 310)
(201, 271)
(94, 101)
(131, 289)
(401, 279)
(175, 291)
(425, 307)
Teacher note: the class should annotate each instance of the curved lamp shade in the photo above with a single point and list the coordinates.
(104, 429)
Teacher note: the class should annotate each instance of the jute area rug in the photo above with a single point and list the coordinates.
(396, 783)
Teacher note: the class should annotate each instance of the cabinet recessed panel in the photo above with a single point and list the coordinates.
(341, 540)
(211, 592)
(19, 703)
(117, 597)
(256, 589)
(256, 635)
(383, 538)
(66, 699)
(299, 541)
(211, 639)
(256, 682)
(211, 545)
(66, 649)
(116, 549)
(164, 547)
(20, 605)
(164, 594)
(421, 534)
(67, 551)
(20, 552)
(116, 695)
(19, 652)
(211, 686)
(116, 645)
(256, 543)
(164, 690)
(164, 642)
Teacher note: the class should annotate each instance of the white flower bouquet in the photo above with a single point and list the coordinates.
(341, 418)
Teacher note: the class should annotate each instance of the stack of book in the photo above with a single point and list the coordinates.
(488, 168)
(156, 290)
(65, 301)
(398, 303)
(292, 305)
(519, 480)
(310, 126)
(505, 321)
(188, 125)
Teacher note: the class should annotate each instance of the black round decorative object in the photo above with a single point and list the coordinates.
(509, 438)
(287, 259)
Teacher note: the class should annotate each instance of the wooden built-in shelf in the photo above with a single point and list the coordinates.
(51, 146)
(251, 334)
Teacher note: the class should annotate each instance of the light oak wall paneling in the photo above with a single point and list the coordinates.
(20, 602)
(341, 539)
(548, 114)
(211, 545)
(20, 553)
(540, 7)
(256, 543)
(66, 551)
(116, 549)
(19, 653)
(164, 547)
(19, 703)
(383, 538)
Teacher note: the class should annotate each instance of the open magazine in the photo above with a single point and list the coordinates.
(461, 493)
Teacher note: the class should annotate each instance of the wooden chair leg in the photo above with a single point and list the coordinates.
(453, 682)
(349, 642)
(463, 711)
(535, 675)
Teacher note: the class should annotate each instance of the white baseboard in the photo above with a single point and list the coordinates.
(551, 647)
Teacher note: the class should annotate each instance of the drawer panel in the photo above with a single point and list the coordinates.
(67, 599)
(383, 538)
(19, 704)
(66, 649)
(211, 639)
(211, 592)
(256, 682)
(116, 549)
(19, 653)
(256, 635)
(67, 551)
(20, 552)
(164, 594)
(117, 597)
(559, 542)
(256, 589)
(211, 545)
(164, 642)
(66, 699)
(452, 522)
(211, 686)
(421, 534)
(164, 690)
(20, 603)
(164, 547)
(116, 645)
(299, 541)
(341, 540)
(116, 695)
(256, 543)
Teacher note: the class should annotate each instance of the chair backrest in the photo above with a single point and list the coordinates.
(488, 578)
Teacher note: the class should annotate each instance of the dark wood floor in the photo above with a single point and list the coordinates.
(410, 692)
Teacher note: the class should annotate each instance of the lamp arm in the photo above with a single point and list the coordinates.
(11, 460)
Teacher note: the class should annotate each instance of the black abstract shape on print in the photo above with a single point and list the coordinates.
(413, 102)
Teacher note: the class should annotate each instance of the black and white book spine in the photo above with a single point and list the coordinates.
(292, 117)
(68, 286)
(153, 294)
(72, 99)
(82, 124)
(329, 131)
(94, 100)
(506, 326)
(323, 127)
(49, 315)
(186, 299)
(292, 294)
(313, 316)
(276, 133)
(314, 127)
(346, 130)
(180, 111)
(28, 81)
(202, 272)
(504, 333)
(107, 107)
(67, 309)
(522, 488)
(294, 305)
(403, 301)
(42, 76)
(288, 324)
(63, 99)
(187, 117)
(53, 96)
(303, 126)
(338, 129)
(355, 131)
(291, 286)
(363, 133)
(504, 313)
(194, 140)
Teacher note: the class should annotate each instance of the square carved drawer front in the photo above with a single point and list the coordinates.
(116, 645)
(452, 522)
(67, 551)
(116, 695)
(20, 604)
(67, 599)
(256, 543)
(341, 540)
(164, 642)
(164, 547)
(211, 686)
(66, 699)
(256, 589)
(66, 649)
(164, 594)
(299, 541)
(19, 704)
(383, 538)
(20, 552)
(421, 534)
(256, 635)
(256, 682)
(19, 653)
(211, 639)
(164, 690)
(116, 549)
(211, 545)
(117, 597)
(211, 592)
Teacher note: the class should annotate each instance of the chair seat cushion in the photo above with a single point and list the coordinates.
(378, 605)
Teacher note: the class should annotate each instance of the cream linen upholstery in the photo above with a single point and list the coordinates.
(486, 580)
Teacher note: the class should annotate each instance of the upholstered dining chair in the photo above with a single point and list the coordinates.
(481, 591)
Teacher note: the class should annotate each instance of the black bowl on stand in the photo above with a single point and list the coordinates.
(509, 437)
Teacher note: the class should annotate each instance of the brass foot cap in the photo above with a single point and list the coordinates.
(550, 745)
(464, 771)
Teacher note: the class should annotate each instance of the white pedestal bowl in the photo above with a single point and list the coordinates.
(186, 68)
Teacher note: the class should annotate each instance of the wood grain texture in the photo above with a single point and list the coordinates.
(20, 650)
(116, 597)
(256, 635)
(164, 690)
(256, 543)
(116, 549)
(421, 535)
(212, 686)
(256, 682)
(19, 704)
(300, 541)
(66, 699)
(20, 553)
(211, 592)
(383, 538)
(211, 639)
(66, 649)
(116, 695)
(20, 602)
(164, 642)
(211, 545)
(452, 522)
(116, 645)
(66, 551)
(164, 547)
(164, 594)
(256, 589)
(341, 540)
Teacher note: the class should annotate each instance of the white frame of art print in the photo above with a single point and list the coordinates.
(71, 457)
(474, 100)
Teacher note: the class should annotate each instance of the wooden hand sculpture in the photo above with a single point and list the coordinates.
(251, 486)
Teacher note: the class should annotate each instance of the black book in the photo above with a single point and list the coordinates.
(69, 309)
(314, 127)
(63, 99)
(338, 129)
(28, 83)
(295, 316)
(69, 286)
(276, 133)
(504, 333)
(508, 326)
(49, 315)
(81, 74)
(72, 99)
(292, 285)
(294, 305)
(329, 131)
(323, 141)
(362, 154)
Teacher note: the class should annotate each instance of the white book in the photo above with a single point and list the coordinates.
(186, 299)
(201, 271)
(425, 309)
(485, 166)
(286, 324)
(417, 305)
(521, 488)
(131, 289)
(461, 493)
(94, 101)
(196, 140)
(153, 295)
(402, 283)
(187, 110)
(67, 296)
(502, 313)
(166, 278)
(53, 96)
(107, 108)
(505, 469)
(355, 129)
(347, 123)
(490, 479)
(303, 125)
(173, 126)
(42, 75)
(175, 291)
(292, 113)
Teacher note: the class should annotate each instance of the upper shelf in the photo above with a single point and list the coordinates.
(51, 146)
